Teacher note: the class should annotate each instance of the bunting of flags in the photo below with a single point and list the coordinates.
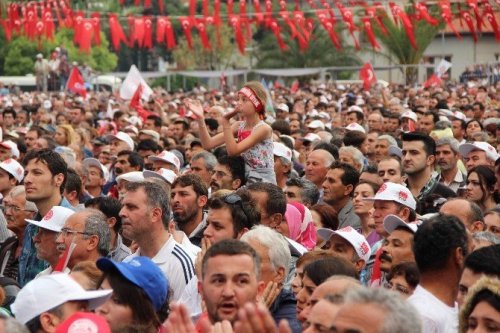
(39, 20)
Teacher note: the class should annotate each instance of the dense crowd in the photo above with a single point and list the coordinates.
(342, 210)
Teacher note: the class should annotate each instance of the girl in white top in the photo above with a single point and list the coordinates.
(253, 136)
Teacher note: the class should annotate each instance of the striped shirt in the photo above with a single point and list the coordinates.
(176, 263)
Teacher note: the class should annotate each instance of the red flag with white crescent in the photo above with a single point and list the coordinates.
(75, 83)
(367, 75)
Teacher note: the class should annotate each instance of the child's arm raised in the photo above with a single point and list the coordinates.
(236, 148)
(207, 141)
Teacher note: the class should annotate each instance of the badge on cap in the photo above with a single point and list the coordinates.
(49, 215)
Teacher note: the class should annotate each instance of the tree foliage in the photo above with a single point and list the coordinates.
(221, 56)
(397, 45)
(320, 53)
(20, 53)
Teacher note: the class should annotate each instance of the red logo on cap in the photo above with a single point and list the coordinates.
(403, 195)
(491, 148)
(364, 248)
(7, 161)
(49, 215)
(19, 171)
(347, 229)
(382, 188)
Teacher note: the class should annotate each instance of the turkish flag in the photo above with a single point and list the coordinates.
(136, 104)
(295, 87)
(75, 83)
(433, 81)
(367, 75)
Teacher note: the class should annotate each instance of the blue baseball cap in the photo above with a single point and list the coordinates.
(142, 272)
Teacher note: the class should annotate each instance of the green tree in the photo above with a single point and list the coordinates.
(20, 53)
(320, 53)
(219, 57)
(397, 45)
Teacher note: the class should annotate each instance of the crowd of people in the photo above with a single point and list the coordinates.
(203, 211)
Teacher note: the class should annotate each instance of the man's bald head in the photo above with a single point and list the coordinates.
(468, 212)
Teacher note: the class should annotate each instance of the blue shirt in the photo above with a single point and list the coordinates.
(29, 264)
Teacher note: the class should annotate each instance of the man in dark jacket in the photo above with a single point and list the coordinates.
(274, 254)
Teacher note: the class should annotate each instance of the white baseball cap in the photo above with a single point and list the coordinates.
(410, 115)
(459, 115)
(395, 192)
(166, 175)
(354, 238)
(131, 128)
(88, 162)
(167, 156)
(491, 152)
(355, 108)
(12, 146)
(316, 124)
(392, 222)
(355, 127)
(283, 107)
(154, 134)
(54, 219)
(282, 151)
(50, 291)
(133, 176)
(122, 136)
(311, 137)
(14, 168)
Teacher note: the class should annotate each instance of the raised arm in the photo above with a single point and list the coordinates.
(207, 141)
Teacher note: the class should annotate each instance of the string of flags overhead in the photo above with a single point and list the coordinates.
(40, 20)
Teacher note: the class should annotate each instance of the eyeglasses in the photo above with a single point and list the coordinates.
(15, 209)
(66, 231)
(397, 287)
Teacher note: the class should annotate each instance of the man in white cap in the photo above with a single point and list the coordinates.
(45, 239)
(409, 121)
(11, 174)
(8, 149)
(46, 302)
(397, 247)
(282, 111)
(96, 175)
(120, 141)
(316, 126)
(167, 160)
(355, 115)
(282, 163)
(347, 243)
(478, 153)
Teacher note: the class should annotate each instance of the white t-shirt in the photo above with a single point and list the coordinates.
(176, 263)
(437, 317)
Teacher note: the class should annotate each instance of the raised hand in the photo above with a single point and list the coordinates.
(258, 319)
(195, 107)
(269, 294)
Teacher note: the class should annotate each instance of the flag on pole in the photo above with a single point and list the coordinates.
(132, 82)
(442, 68)
(295, 86)
(222, 81)
(433, 81)
(367, 75)
(136, 103)
(75, 83)
(62, 263)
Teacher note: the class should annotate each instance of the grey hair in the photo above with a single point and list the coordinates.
(278, 251)
(400, 316)
(309, 191)
(284, 161)
(389, 139)
(452, 142)
(486, 236)
(480, 136)
(329, 159)
(21, 190)
(209, 158)
(96, 224)
(356, 154)
(156, 197)
(13, 326)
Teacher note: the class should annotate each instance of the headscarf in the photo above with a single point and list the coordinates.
(307, 232)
